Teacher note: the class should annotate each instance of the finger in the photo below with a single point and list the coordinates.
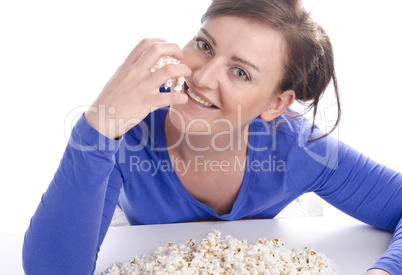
(169, 71)
(155, 51)
(140, 49)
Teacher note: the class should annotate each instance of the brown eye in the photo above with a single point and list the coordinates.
(241, 74)
(203, 45)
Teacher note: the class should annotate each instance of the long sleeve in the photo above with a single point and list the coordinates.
(392, 259)
(356, 185)
(371, 193)
(72, 218)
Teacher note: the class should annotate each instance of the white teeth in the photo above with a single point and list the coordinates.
(197, 98)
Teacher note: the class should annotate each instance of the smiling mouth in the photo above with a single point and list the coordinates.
(198, 99)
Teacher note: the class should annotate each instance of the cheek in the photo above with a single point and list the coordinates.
(250, 106)
(188, 53)
(192, 56)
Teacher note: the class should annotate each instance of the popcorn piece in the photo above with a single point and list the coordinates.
(179, 84)
(214, 255)
(167, 60)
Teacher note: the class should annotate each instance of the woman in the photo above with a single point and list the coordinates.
(226, 148)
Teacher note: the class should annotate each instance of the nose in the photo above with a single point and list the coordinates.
(207, 75)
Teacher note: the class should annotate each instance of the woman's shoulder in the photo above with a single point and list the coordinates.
(288, 125)
(292, 132)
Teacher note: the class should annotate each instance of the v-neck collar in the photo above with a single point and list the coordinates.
(160, 142)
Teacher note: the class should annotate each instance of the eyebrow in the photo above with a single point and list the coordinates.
(234, 58)
(209, 36)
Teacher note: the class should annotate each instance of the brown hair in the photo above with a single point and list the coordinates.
(309, 65)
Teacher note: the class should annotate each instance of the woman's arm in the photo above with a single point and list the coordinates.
(392, 259)
(371, 193)
(355, 184)
(72, 218)
(70, 222)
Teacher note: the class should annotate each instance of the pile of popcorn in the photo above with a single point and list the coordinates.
(167, 60)
(214, 255)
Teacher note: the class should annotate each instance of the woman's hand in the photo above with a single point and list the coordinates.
(376, 272)
(133, 91)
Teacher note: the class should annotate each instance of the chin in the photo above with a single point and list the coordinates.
(185, 121)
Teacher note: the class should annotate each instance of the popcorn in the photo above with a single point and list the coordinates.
(167, 60)
(214, 255)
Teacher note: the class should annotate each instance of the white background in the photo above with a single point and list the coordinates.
(55, 57)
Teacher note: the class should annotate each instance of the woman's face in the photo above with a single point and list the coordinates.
(236, 65)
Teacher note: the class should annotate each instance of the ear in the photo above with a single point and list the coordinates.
(279, 105)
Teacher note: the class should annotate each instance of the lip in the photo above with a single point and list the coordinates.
(186, 86)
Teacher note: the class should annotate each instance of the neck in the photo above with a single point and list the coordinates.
(217, 146)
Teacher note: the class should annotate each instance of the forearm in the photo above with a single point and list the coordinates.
(392, 259)
(359, 187)
(63, 234)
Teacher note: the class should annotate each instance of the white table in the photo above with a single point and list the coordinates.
(10, 253)
(353, 245)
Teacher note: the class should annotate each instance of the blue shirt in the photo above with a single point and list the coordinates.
(136, 173)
